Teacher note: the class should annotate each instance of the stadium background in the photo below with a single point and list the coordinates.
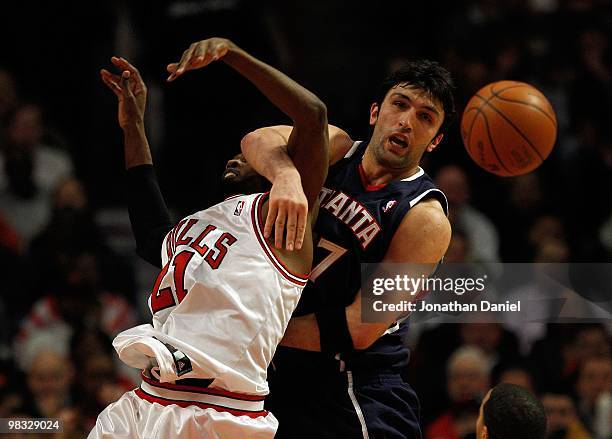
(70, 276)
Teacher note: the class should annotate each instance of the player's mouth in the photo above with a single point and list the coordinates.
(399, 140)
(230, 174)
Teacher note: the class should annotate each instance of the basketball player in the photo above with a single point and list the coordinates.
(509, 411)
(224, 296)
(377, 204)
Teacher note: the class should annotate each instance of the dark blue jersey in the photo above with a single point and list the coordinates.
(356, 224)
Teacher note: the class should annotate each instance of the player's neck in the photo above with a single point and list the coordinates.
(377, 174)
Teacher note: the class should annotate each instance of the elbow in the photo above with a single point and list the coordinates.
(319, 110)
(314, 112)
(362, 339)
(250, 141)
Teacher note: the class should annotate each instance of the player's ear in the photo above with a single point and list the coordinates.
(485, 433)
(373, 113)
(435, 142)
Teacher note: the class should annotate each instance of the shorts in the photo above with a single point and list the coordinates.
(344, 404)
(164, 410)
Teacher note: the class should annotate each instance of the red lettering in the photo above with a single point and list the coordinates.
(215, 261)
(197, 243)
(181, 238)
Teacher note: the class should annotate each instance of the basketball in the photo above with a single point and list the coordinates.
(508, 128)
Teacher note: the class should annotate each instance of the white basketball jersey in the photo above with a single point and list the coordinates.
(220, 304)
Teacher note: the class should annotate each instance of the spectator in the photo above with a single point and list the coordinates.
(562, 420)
(49, 376)
(467, 381)
(29, 171)
(481, 234)
(593, 384)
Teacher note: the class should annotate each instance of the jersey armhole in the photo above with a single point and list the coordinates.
(351, 151)
(256, 218)
(432, 193)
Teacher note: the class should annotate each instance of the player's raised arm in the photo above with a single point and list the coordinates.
(148, 212)
(307, 144)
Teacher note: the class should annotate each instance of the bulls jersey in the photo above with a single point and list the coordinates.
(356, 224)
(220, 304)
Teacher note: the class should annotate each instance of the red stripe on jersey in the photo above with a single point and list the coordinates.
(368, 187)
(202, 390)
(166, 402)
(296, 278)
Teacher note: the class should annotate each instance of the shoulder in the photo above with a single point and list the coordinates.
(422, 236)
(339, 144)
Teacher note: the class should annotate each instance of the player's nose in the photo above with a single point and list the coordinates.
(405, 124)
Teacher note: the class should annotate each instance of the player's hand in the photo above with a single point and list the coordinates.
(287, 210)
(199, 55)
(130, 90)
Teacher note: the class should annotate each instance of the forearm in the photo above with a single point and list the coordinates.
(291, 98)
(149, 216)
(302, 333)
(136, 146)
(265, 150)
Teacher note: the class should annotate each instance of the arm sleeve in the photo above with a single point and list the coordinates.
(149, 215)
(335, 336)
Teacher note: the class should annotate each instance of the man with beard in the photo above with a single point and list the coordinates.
(377, 205)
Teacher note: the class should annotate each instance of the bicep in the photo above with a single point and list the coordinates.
(416, 248)
(339, 144)
(339, 141)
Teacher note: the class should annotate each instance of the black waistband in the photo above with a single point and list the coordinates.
(192, 382)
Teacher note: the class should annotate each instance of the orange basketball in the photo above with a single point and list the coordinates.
(509, 128)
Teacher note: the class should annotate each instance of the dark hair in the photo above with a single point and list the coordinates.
(513, 412)
(428, 76)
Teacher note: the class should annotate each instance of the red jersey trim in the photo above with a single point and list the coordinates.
(364, 181)
(201, 390)
(296, 278)
(166, 402)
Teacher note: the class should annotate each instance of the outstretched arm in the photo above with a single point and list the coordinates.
(149, 215)
(306, 143)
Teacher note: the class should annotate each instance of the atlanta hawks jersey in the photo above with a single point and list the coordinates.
(356, 224)
(220, 304)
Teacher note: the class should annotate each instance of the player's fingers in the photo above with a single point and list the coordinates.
(219, 51)
(291, 229)
(172, 68)
(279, 227)
(135, 76)
(301, 228)
(199, 53)
(125, 84)
(105, 73)
(185, 60)
(115, 88)
(270, 219)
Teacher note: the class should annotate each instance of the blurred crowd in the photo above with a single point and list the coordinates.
(72, 280)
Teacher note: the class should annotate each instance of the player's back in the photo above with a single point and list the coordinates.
(222, 299)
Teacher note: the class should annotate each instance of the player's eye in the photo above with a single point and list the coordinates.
(426, 117)
(399, 104)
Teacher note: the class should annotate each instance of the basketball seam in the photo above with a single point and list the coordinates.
(471, 127)
(501, 98)
(484, 117)
(513, 126)
(518, 84)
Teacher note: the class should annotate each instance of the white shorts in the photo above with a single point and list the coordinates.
(163, 410)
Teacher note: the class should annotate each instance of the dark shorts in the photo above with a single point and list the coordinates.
(349, 404)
